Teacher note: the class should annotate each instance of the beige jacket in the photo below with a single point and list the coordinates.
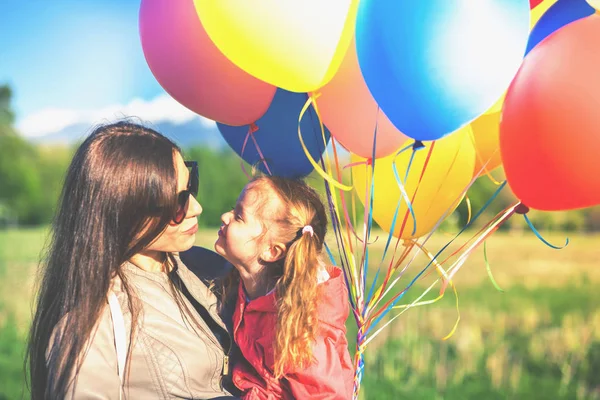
(171, 357)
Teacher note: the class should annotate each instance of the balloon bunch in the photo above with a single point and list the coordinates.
(426, 96)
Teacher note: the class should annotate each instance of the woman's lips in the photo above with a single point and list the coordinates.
(192, 230)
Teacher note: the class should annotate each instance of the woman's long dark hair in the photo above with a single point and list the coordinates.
(122, 175)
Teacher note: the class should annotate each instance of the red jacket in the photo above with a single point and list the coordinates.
(330, 375)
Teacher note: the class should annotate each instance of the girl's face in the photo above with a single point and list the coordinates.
(244, 237)
(180, 237)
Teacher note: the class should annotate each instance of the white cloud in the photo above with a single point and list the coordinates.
(160, 109)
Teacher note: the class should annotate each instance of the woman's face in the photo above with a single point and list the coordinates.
(181, 237)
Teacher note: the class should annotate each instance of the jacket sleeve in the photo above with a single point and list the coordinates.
(98, 377)
(330, 375)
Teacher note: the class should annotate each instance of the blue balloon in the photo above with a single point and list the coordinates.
(277, 137)
(435, 65)
(561, 13)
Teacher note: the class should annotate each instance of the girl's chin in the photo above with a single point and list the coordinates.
(219, 248)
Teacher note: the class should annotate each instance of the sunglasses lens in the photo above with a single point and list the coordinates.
(194, 182)
(182, 206)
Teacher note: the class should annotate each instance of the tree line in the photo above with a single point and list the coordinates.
(31, 177)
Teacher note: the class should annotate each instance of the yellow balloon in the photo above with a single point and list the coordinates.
(595, 4)
(448, 172)
(534, 17)
(486, 134)
(295, 45)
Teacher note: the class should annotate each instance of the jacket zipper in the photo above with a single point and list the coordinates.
(226, 352)
(226, 365)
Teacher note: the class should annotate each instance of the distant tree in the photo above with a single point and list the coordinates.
(30, 176)
(7, 116)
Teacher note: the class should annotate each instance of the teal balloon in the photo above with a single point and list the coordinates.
(433, 66)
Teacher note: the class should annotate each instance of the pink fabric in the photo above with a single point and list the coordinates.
(330, 375)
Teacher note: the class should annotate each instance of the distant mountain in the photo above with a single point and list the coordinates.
(187, 134)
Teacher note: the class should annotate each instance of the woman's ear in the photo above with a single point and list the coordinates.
(273, 253)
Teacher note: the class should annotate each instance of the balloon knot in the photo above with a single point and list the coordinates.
(418, 145)
(521, 209)
(253, 127)
(369, 162)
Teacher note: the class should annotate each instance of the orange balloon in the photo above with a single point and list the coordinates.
(486, 133)
(550, 128)
(350, 112)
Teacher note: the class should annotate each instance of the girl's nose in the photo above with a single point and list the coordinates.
(226, 217)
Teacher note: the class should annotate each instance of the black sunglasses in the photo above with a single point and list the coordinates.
(183, 198)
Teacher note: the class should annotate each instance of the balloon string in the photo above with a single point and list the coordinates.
(349, 228)
(535, 231)
(489, 270)
(350, 273)
(345, 244)
(316, 166)
(492, 221)
(351, 224)
(417, 145)
(446, 280)
(383, 289)
(417, 302)
(401, 186)
(373, 152)
(348, 267)
(480, 159)
(469, 210)
(405, 268)
(250, 135)
(346, 258)
(488, 228)
(242, 154)
(385, 308)
(500, 219)
(404, 196)
(487, 233)
(370, 194)
(425, 165)
(448, 210)
(330, 254)
(253, 128)
(394, 218)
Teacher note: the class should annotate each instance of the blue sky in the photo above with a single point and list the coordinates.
(64, 57)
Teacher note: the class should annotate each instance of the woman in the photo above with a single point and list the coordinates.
(118, 313)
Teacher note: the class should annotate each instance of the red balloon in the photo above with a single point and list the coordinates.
(534, 3)
(550, 128)
(193, 71)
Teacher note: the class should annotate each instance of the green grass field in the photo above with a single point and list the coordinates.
(539, 339)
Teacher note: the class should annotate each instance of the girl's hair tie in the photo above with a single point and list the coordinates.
(309, 229)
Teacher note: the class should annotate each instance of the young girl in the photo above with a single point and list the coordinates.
(289, 321)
